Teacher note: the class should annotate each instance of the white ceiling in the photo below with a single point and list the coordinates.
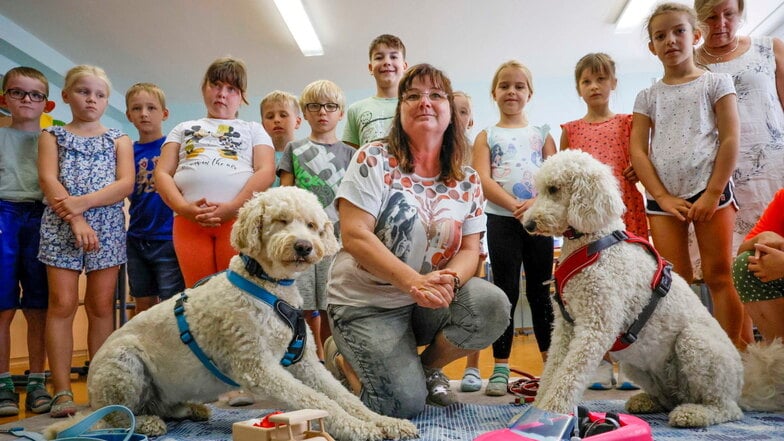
(171, 42)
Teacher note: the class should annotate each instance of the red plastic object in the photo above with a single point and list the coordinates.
(632, 429)
(265, 422)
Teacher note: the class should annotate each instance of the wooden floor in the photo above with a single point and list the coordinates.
(525, 357)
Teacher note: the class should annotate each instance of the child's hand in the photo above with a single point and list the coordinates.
(702, 210)
(767, 263)
(522, 207)
(199, 212)
(224, 211)
(676, 206)
(771, 239)
(67, 207)
(84, 234)
(630, 175)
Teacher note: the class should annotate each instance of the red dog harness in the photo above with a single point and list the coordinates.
(589, 254)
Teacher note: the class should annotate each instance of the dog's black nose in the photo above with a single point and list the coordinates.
(530, 226)
(303, 248)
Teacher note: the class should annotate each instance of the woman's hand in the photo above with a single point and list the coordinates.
(85, 236)
(434, 290)
(770, 239)
(68, 207)
(767, 263)
(676, 206)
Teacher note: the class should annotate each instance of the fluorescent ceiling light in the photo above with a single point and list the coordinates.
(300, 27)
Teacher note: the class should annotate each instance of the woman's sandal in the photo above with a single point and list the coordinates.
(64, 408)
(524, 389)
(38, 400)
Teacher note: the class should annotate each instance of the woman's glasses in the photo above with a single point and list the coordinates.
(414, 96)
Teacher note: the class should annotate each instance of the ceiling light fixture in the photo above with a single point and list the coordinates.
(300, 27)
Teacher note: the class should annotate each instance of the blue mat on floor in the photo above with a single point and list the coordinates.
(466, 421)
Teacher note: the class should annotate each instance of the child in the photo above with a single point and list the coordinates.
(605, 135)
(691, 118)
(471, 381)
(153, 270)
(85, 171)
(317, 163)
(506, 156)
(25, 93)
(209, 167)
(369, 119)
(281, 117)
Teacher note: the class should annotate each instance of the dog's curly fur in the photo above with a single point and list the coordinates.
(683, 360)
(146, 367)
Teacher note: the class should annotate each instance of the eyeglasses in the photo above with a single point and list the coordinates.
(316, 107)
(435, 96)
(19, 94)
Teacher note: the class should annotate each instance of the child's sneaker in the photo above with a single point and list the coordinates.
(471, 382)
(623, 382)
(438, 392)
(603, 377)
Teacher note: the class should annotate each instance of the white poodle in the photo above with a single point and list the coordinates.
(682, 358)
(146, 366)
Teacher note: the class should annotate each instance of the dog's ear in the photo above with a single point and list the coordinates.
(596, 198)
(331, 245)
(246, 232)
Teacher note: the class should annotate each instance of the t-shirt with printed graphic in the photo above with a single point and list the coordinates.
(369, 120)
(150, 217)
(422, 220)
(318, 168)
(216, 157)
(515, 156)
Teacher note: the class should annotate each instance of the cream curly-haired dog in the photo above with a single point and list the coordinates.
(682, 358)
(145, 366)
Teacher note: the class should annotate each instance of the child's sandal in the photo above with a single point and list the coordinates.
(38, 400)
(64, 408)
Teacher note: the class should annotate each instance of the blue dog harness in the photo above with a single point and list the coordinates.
(290, 315)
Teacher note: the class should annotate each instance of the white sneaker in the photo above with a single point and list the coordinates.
(603, 378)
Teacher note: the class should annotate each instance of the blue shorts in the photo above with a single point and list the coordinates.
(20, 224)
(727, 197)
(153, 269)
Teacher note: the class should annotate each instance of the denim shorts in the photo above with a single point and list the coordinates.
(381, 344)
(20, 225)
(153, 269)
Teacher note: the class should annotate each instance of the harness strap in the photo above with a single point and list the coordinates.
(589, 254)
(187, 338)
(290, 315)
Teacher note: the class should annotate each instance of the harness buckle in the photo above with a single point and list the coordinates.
(665, 283)
(628, 338)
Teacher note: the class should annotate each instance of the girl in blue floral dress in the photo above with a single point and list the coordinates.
(85, 170)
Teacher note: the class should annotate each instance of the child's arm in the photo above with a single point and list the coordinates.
(48, 179)
(167, 188)
(778, 53)
(67, 206)
(492, 190)
(564, 139)
(263, 176)
(286, 179)
(638, 150)
(728, 124)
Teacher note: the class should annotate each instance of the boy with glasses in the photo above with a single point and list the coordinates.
(25, 93)
(317, 164)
